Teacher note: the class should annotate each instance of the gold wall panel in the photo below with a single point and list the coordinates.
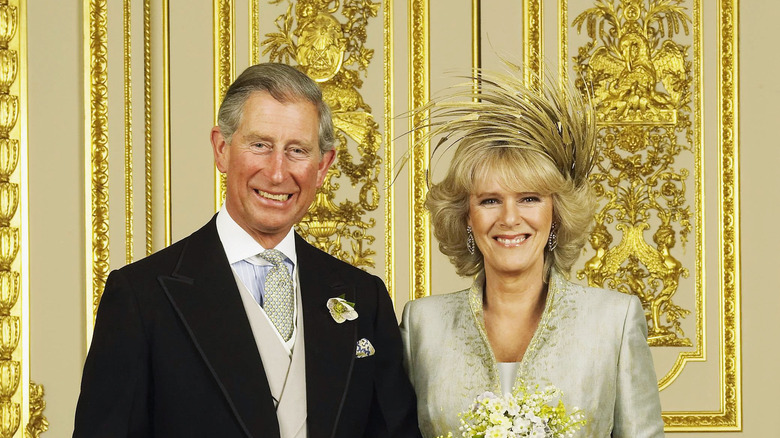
(21, 400)
(642, 84)
(327, 42)
(138, 193)
(642, 63)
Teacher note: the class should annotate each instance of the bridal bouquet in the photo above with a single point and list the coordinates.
(523, 414)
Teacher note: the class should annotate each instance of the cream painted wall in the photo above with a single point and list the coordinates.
(56, 130)
(56, 135)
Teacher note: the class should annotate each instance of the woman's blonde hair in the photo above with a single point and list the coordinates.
(537, 138)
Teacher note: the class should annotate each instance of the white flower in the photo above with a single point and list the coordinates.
(341, 310)
(498, 419)
(496, 405)
(512, 407)
(497, 432)
(522, 424)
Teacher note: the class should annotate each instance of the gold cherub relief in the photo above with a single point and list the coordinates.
(333, 53)
(640, 83)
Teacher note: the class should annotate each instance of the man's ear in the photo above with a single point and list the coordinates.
(220, 148)
(322, 169)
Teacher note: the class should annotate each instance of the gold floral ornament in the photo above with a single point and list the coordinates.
(326, 39)
(341, 310)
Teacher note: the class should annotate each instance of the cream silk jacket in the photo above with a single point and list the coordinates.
(590, 343)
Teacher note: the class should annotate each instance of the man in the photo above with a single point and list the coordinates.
(230, 332)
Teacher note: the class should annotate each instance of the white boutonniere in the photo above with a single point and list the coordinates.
(341, 310)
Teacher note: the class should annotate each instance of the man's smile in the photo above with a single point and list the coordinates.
(281, 197)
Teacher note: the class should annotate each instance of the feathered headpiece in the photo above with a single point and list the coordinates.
(500, 110)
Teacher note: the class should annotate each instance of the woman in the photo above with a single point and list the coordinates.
(514, 210)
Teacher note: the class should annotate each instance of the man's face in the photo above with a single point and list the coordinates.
(273, 165)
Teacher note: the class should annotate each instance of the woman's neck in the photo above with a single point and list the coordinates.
(513, 307)
(514, 293)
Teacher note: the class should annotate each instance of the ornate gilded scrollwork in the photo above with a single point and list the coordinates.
(333, 53)
(12, 344)
(38, 423)
(641, 84)
(10, 366)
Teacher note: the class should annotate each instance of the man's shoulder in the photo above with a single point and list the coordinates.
(166, 259)
(309, 253)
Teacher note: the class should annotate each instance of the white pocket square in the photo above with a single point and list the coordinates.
(364, 348)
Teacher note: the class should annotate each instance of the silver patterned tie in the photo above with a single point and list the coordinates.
(278, 303)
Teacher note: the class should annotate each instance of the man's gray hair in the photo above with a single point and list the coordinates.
(285, 84)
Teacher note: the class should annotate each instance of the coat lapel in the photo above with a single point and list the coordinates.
(330, 347)
(203, 291)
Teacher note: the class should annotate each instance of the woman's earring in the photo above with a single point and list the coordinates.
(552, 241)
(470, 244)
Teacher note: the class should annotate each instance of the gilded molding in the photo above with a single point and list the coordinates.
(128, 95)
(38, 422)
(729, 416)
(419, 222)
(148, 179)
(223, 73)
(563, 43)
(19, 403)
(700, 353)
(254, 31)
(13, 344)
(96, 153)
(389, 46)
(532, 39)
(166, 52)
(476, 38)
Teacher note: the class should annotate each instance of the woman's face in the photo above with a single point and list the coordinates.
(510, 228)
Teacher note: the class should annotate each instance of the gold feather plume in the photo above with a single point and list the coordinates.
(501, 110)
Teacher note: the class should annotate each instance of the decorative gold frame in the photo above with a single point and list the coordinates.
(22, 401)
(166, 55)
(389, 46)
(532, 40)
(224, 72)
(148, 218)
(728, 417)
(128, 115)
(96, 175)
(96, 154)
(419, 94)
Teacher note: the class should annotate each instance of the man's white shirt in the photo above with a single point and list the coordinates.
(240, 246)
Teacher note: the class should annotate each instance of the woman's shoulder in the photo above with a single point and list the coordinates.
(459, 298)
(587, 296)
